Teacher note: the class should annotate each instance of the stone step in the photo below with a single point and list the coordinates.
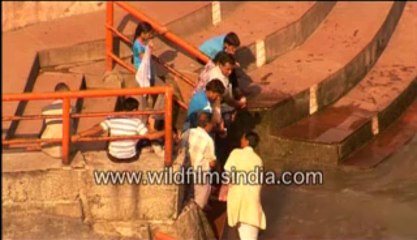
(281, 30)
(371, 106)
(35, 182)
(387, 143)
(45, 82)
(327, 65)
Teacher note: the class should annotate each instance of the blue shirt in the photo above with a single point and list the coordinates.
(138, 48)
(199, 102)
(213, 46)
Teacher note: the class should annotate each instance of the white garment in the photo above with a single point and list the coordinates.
(216, 73)
(202, 194)
(200, 148)
(143, 75)
(247, 231)
(204, 77)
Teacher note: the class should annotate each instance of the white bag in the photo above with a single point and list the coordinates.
(143, 75)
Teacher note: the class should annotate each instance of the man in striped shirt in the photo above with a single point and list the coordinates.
(123, 150)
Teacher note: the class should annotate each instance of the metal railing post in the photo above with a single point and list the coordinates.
(66, 128)
(168, 127)
(109, 35)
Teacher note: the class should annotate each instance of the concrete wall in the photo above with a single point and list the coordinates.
(20, 14)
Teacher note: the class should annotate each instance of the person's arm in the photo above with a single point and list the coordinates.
(154, 135)
(95, 130)
(241, 103)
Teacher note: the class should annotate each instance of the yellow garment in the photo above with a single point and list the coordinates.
(244, 200)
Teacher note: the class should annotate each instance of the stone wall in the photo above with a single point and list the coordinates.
(21, 14)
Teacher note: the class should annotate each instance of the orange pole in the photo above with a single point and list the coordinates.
(120, 61)
(119, 34)
(168, 35)
(31, 141)
(57, 140)
(174, 71)
(109, 35)
(66, 106)
(80, 115)
(87, 93)
(168, 127)
(84, 93)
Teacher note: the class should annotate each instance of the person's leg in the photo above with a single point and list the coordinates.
(247, 231)
(202, 194)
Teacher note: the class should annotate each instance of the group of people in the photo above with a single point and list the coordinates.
(212, 109)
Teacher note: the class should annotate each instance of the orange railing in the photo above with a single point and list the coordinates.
(66, 98)
(111, 58)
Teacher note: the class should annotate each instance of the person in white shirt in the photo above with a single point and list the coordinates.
(244, 208)
(53, 127)
(200, 153)
(123, 150)
(221, 69)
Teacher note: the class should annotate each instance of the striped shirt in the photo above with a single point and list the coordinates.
(124, 126)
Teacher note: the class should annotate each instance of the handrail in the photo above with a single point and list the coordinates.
(67, 96)
(80, 115)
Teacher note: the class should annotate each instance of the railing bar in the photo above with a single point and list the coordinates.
(120, 35)
(97, 93)
(58, 140)
(120, 61)
(174, 71)
(79, 115)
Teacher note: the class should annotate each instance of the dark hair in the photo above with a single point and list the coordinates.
(253, 138)
(61, 87)
(130, 104)
(232, 39)
(216, 86)
(223, 58)
(203, 119)
(143, 27)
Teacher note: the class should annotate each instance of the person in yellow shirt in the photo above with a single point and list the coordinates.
(244, 208)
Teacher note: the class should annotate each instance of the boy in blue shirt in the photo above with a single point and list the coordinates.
(143, 34)
(227, 42)
(202, 100)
